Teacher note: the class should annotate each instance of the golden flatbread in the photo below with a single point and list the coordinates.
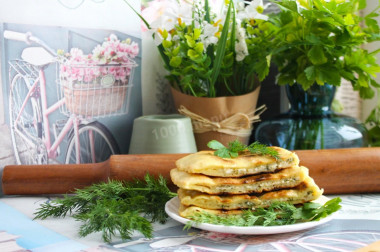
(305, 192)
(205, 162)
(187, 212)
(284, 178)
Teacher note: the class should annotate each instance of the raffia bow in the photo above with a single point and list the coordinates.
(239, 124)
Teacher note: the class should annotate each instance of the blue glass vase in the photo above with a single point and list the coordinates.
(311, 124)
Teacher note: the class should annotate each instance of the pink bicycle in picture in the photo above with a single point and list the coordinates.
(86, 91)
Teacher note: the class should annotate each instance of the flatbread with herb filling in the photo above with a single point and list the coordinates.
(205, 162)
(284, 178)
(189, 211)
(305, 192)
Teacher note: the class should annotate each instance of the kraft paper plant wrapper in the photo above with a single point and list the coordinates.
(216, 110)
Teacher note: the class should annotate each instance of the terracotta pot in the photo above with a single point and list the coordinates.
(216, 110)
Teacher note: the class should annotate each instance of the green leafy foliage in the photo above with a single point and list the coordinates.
(320, 42)
(280, 213)
(373, 121)
(313, 211)
(114, 207)
(236, 147)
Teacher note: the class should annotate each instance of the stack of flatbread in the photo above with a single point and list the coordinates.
(229, 185)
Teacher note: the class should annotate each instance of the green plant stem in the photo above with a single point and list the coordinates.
(220, 49)
(321, 128)
(192, 91)
(228, 87)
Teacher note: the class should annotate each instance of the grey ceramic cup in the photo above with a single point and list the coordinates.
(162, 134)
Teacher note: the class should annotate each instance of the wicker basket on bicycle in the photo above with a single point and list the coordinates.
(98, 90)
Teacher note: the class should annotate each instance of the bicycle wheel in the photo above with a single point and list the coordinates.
(96, 144)
(26, 127)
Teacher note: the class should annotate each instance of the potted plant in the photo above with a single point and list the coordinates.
(318, 43)
(216, 54)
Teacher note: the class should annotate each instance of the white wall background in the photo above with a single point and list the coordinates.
(97, 14)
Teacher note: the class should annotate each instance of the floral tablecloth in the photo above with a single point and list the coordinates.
(356, 225)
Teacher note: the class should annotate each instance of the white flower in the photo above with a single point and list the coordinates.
(241, 48)
(157, 35)
(182, 11)
(164, 23)
(170, 13)
(209, 33)
(113, 38)
(76, 52)
(253, 10)
(218, 7)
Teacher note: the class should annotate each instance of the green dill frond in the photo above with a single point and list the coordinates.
(114, 207)
(236, 147)
(261, 149)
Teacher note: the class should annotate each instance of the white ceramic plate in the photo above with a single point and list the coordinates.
(172, 206)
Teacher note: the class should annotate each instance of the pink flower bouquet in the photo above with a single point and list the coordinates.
(112, 59)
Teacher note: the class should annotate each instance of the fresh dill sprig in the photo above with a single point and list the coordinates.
(280, 213)
(114, 207)
(262, 149)
(236, 147)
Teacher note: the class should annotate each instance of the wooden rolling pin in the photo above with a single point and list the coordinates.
(337, 171)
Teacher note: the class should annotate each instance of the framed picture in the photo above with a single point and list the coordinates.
(72, 97)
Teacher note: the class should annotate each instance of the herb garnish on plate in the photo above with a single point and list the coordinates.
(280, 213)
(235, 148)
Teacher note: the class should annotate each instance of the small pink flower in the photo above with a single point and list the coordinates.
(111, 51)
